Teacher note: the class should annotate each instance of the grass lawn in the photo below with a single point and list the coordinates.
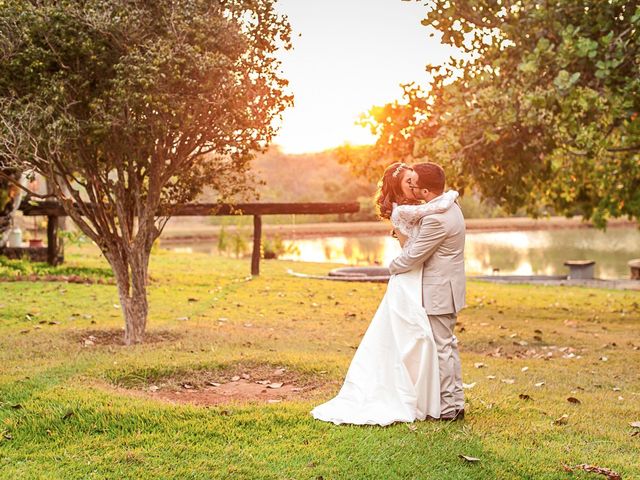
(73, 409)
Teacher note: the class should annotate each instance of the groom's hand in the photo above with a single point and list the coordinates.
(401, 238)
(431, 235)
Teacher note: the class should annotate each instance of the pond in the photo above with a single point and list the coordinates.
(518, 253)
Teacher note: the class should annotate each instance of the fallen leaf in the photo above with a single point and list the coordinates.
(524, 369)
(469, 459)
(573, 400)
(491, 377)
(412, 427)
(539, 384)
(468, 386)
(524, 396)
(193, 299)
(213, 384)
(563, 420)
(235, 378)
(275, 385)
(607, 472)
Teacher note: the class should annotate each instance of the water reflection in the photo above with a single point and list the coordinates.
(515, 253)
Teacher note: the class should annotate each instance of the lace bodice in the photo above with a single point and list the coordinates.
(406, 218)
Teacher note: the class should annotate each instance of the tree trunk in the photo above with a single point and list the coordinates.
(131, 277)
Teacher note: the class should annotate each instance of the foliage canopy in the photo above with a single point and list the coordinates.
(539, 108)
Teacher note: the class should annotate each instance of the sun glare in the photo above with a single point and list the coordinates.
(348, 57)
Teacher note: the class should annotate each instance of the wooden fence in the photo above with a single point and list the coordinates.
(53, 211)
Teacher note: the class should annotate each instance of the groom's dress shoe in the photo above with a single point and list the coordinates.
(458, 415)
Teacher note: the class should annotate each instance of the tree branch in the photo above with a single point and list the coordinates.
(25, 189)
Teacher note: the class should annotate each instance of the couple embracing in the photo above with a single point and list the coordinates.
(407, 366)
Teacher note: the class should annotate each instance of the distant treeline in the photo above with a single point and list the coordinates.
(318, 177)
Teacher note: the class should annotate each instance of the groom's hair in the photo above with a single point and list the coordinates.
(430, 176)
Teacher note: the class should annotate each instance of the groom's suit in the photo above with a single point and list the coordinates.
(439, 246)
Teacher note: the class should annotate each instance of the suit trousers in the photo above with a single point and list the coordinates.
(451, 393)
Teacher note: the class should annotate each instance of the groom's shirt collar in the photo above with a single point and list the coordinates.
(436, 198)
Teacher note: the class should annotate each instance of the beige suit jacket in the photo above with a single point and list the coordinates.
(439, 246)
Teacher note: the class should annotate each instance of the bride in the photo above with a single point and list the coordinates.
(394, 374)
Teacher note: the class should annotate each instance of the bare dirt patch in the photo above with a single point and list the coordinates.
(90, 338)
(236, 383)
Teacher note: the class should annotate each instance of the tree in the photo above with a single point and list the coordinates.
(538, 108)
(128, 107)
(10, 197)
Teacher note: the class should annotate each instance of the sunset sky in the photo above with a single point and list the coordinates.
(350, 55)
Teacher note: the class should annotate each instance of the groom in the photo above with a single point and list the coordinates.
(440, 248)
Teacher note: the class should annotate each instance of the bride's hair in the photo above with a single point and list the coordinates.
(389, 190)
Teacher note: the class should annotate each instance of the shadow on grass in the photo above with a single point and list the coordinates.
(38, 270)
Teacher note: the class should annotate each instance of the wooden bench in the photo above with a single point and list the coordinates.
(634, 266)
(580, 269)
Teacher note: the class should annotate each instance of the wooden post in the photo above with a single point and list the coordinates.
(53, 210)
(54, 245)
(257, 238)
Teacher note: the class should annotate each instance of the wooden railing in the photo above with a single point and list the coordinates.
(53, 211)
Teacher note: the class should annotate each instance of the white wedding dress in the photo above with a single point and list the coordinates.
(394, 375)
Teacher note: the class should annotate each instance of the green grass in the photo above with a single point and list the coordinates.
(18, 268)
(72, 424)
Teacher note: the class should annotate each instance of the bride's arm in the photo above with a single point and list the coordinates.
(410, 214)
